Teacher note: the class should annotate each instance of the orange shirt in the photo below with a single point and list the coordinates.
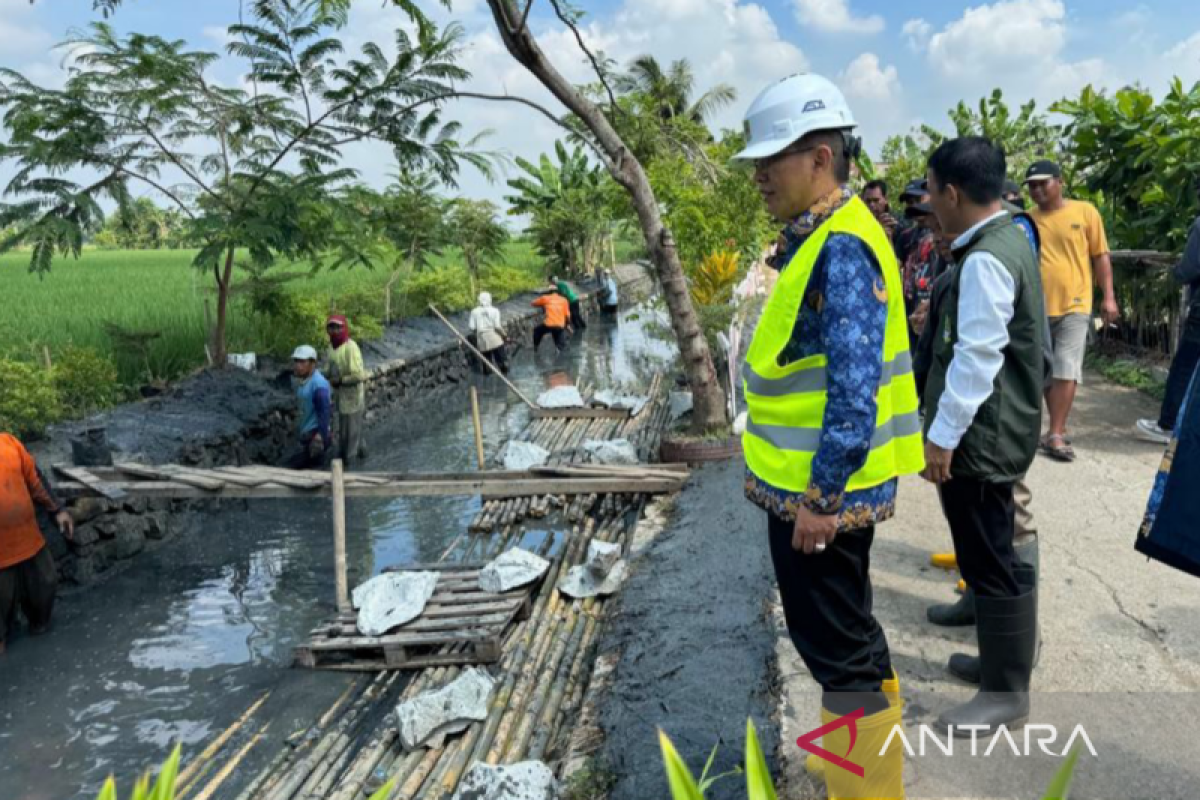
(558, 310)
(20, 538)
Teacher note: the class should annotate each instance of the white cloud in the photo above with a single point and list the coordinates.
(20, 35)
(726, 41)
(835, 16)
(916, 33)
(1183, 60)
(1007, 35)
(216, 33)
(865, 79)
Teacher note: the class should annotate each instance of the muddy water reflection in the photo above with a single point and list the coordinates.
(175, 648)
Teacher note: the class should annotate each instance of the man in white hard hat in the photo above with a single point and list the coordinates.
(832, 415)
(316, 408)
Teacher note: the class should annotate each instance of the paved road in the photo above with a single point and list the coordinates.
(1121, 641)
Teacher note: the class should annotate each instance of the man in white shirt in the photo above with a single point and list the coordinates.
(983, 416)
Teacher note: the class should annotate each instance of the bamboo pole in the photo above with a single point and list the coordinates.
(229, 767)
(339, 535)
(483, 358)
(478, 427)
(185, 777)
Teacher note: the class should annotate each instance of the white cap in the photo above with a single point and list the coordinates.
(789, 109)
(305, 353)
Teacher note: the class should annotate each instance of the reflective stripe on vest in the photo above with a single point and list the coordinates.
(813, 379)
(787, 403)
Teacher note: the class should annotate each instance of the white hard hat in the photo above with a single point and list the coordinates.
(305, 353)
(791, 108)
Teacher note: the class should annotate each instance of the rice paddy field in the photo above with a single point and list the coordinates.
(159, 292)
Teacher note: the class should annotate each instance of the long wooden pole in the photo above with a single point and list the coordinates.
(478, 427)
(487, 361)
(339, 535)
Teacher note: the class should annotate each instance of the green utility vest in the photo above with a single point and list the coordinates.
(786, 403)
(1001, 442)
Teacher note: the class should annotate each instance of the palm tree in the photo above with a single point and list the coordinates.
(670, 91)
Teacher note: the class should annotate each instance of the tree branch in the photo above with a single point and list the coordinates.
(596, 66)
(137, 176)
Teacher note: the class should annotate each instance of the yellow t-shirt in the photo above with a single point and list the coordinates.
(1071, 237)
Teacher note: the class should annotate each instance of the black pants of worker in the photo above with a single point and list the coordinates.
(308, 455)
(981, 518)
(351, 445)
(30, 586)
(827, 602)
(609, 311)
(577, 319)
(499, 358)
(559, 334)
(1183, 366)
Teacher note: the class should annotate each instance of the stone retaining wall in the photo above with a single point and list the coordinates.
(234, 417)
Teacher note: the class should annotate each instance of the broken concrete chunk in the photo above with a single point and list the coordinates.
(680, 404)
(561, 397)
(610, 398)
(602, 557)
(583, 582)
(611, 451)
(389, 600)
(427, 719)
(521, 456)
(527, 780)
(513, 569)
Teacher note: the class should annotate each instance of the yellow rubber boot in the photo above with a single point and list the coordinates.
(891, 688)
(962, 586)
(944, 560)
(883, 771)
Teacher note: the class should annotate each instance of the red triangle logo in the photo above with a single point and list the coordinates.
(808, 742)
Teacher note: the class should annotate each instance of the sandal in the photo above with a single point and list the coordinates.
(1059, 452)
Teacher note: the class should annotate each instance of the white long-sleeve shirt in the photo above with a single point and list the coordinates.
(986, 300)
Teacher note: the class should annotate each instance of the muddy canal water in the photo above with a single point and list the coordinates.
(176, 647)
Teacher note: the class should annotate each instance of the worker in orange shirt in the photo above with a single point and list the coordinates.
(28, 575)
(557, 319)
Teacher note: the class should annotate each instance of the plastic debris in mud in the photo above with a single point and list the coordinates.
(611, 451)
(561, 397)
(526, 780)
(511, 570)
(680, 404)
(610, 398)
(427, 719)
(601, 574)
(389, 600)
(521, 456)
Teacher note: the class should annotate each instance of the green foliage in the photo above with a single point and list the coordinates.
(1025, 136)
(449, 288)
(593, 782)
(1140, 159)
(141, 225)
(1125, 372)
(260, 172)
(568, 207)
(503, 281)
(86, 381)
(1060, 787)
(28, 398)
(476, 228)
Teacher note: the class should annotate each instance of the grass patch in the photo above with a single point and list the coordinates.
(1125, 372)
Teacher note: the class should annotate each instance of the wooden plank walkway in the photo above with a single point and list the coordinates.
(174, 481)
(459, 613)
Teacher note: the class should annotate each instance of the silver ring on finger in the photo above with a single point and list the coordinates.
(819, 547)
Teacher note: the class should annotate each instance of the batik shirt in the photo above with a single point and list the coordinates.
(843, 316)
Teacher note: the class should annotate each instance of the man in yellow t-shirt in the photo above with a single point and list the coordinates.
(1074, 255)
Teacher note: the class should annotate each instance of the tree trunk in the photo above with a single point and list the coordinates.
(708, 404)
(223, 284)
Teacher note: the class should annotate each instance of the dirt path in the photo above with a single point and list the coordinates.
(695, 650)
(1121, 651)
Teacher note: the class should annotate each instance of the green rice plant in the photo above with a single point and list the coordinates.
(29, 400)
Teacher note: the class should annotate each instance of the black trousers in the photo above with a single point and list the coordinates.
(827, 603)
(30, 585)
(1183, 366)
(559, 334)
(499, 358)
(577, 320)
(308, 455)
(981, 517)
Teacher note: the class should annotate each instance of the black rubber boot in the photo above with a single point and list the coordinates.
(965, 666)
(1007, 630)
(954, 615)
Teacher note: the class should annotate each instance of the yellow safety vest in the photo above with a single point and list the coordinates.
(787, 403)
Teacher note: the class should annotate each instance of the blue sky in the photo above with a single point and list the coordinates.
(899, 63)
